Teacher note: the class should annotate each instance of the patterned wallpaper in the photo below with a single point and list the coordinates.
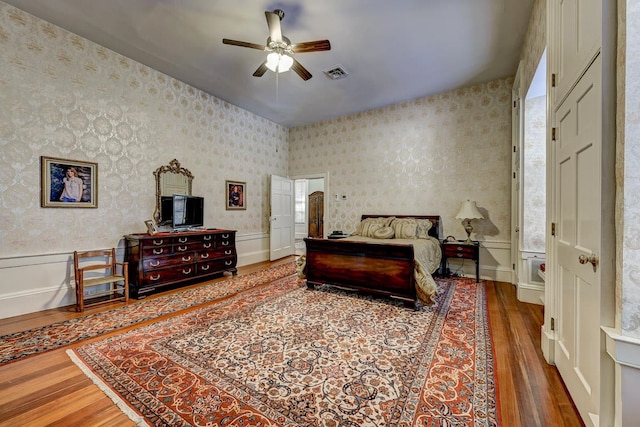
(64, 96)
(535, 42)
(420, 157)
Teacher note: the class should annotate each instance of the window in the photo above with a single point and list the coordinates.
(300, 201)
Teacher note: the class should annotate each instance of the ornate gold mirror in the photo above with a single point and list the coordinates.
(171, 179)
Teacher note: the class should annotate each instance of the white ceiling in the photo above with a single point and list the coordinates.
(394, 50)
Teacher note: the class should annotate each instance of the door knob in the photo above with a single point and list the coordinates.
(593, 260)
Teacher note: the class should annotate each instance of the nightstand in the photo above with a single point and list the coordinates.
(459, 249)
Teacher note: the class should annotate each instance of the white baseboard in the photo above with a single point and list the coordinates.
(531, 293)
(547, 344)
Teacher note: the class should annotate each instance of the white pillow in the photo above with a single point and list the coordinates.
(368, 226)
(405, 228)
(424, 225)
(384, 233)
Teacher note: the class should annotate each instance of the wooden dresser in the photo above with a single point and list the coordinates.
(163, 259)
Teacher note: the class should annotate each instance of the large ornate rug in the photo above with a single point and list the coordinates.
(21, 344)
(283, 355)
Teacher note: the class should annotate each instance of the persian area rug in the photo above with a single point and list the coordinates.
(21, 344)
(283, 355)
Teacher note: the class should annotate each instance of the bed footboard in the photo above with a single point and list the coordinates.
(383, 269)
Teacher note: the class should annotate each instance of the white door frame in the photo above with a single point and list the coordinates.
(517, 131)
(325, 177)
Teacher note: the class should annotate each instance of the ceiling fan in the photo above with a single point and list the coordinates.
(280, 48)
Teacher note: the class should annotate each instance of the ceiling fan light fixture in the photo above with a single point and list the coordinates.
(280, 63)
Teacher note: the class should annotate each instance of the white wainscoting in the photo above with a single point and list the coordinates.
(40, 282)
(625, 352)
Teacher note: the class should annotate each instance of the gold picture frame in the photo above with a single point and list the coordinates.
(236, 195)
(68, 183)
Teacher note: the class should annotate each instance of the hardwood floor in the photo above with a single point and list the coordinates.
(49, 390)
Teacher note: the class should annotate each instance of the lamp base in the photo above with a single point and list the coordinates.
(468, 228)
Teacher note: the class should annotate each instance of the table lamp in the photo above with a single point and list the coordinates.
(468, 211)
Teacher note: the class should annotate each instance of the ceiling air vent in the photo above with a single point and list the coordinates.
(336, 73)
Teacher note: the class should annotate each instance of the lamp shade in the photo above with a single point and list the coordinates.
(469, 210)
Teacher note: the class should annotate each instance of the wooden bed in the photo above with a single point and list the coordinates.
(386, 269)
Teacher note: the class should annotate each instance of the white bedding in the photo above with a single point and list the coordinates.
(427, 254)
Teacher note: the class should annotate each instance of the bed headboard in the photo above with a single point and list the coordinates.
(435, 219)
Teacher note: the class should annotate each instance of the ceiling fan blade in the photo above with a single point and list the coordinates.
(313, 46)
(300, 70)
(273, 21)
(261, 70)
(244, 44)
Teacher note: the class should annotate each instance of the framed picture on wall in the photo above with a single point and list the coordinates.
(68, 183)
(236, 195)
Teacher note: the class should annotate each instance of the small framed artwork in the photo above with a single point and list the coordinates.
(236, 195)
(68, 183)
(151, 226)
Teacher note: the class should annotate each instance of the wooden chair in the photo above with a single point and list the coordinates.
(98, 269)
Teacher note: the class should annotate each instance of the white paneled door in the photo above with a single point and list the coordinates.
(281, 230)
(578, 241)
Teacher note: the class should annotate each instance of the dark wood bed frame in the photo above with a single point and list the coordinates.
(382, 269)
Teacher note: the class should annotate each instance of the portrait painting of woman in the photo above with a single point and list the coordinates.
(235, 195)
(68, 183)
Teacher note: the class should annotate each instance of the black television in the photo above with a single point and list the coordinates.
(188, 212)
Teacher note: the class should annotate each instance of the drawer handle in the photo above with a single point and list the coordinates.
(228, 252)
(207, 245)
(225, 236)
(207, 237)
(182, 248)
(459, 255)
(205, 267)
(158, 242)
(154, 278)
(154, 263)
(204, 255)
(186, 258)
(228, 262)
(225, 243)
(182, 239)
(188, 271)
(459, 248)
(158, 251)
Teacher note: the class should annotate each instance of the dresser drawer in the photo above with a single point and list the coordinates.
(186, 247)
(220, 252)
(180, 240)
(216, 266)
(225, 243)
(168, 261)
(155, 251)
(155, 242)
(460, 251)
(159, 276)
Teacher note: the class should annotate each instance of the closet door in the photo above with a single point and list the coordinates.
(579, 243)
(577, 40)
(581, 274)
